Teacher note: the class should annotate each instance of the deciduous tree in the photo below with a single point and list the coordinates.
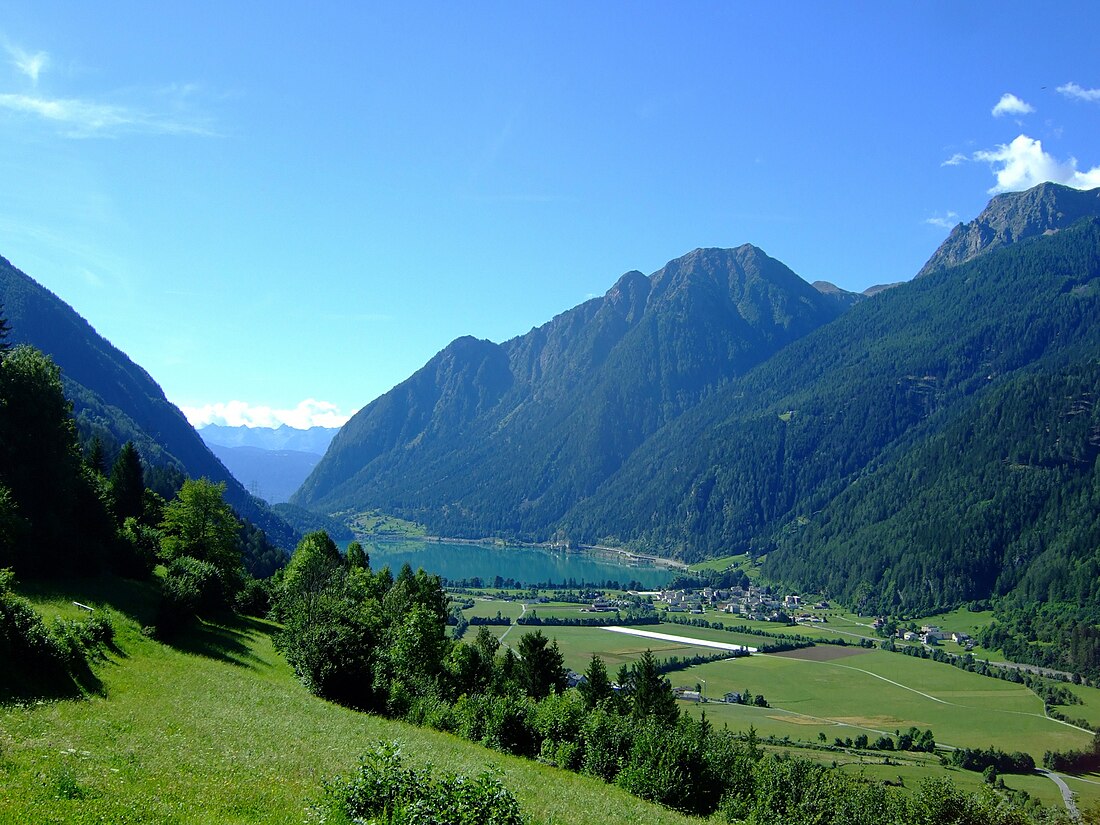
(199, 523)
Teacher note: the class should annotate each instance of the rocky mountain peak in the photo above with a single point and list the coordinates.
(1012, 217)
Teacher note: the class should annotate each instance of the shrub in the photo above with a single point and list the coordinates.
(41, 651)
(190, 586)
(24, 637)
(384, 790)
(254, 597)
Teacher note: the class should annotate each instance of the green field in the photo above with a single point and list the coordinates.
(740, 561)
(218, 730)
(579, 643)
(729, 637)
(839, 625)
(1089, 709)
(1087, 789)
(844, 696)
(488, 608)
(1036, 785)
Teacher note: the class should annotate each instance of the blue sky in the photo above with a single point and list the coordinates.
(282, 211)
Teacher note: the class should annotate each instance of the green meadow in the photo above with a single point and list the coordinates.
(876, 692)
(740, 561)
(577, 645)
(216, 729)
(488, 608)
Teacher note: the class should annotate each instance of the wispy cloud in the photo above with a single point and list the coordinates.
(29, 64)
(1023, 163)
(90, 277)
(1072, 90)
(947, 221)
(166, 110)
(85, 118)
(955, 159)
(1009, 104)
(308, 413)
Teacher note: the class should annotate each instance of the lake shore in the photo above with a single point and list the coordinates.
(629, 556)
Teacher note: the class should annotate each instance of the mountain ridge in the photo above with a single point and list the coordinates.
(284, 437)
(549, 397)
(1014, 216)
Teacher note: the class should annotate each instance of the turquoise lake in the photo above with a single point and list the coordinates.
(529, 565)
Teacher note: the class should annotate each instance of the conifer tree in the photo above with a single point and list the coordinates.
(96, 460)
(5, 331)
(596, 687)
(653, 694)
(127, 483)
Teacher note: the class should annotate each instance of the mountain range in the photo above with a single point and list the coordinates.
(723, 405)
(313, 440)
(908, 448)
(271, 462)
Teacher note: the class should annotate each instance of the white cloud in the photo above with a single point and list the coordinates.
(1009, 104)
(955, 159)
(1074, 91)
(1023, 163)
(82, 118)
(29, 64)
(947, 221)
(90, 278)
(308, 413)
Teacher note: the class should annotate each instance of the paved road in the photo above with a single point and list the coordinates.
(1067, 794)
(684, 640)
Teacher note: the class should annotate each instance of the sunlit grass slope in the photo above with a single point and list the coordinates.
(216, 729)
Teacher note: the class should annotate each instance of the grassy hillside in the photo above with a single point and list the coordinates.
(216, 729)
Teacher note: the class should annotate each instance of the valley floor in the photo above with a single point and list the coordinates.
(822, 693)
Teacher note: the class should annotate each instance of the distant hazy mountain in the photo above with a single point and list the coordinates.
(1012, 217)
(490, 438)
(117, 399)
(273, 475)
(313, 440)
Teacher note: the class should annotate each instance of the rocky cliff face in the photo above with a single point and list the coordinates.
(1012, 217)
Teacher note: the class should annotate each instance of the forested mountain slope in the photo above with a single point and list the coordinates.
(115, 398)
(505, 439)
(927, 448)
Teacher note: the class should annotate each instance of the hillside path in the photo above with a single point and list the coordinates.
(1067, 794)
(523, 609)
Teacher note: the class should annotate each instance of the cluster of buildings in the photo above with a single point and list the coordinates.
(928, 634)
(752, 602)
(604, 605)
